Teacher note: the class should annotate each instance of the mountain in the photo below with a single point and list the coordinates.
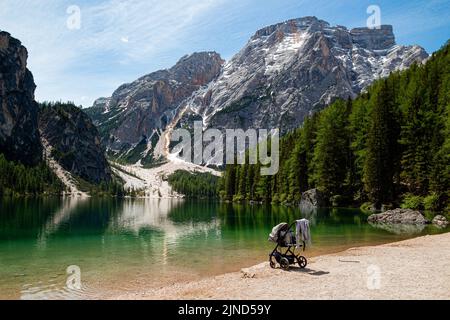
(132, 116)
(388, 147)
(27, 133)
(285, 72)
(19, 135)
(74, 142)
(291, 69)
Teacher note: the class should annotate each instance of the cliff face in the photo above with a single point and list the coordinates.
(69, 132)
(19, 135)
(136, 112)
(289, 70)
(374, 39)
(285, 73)
(75, 142)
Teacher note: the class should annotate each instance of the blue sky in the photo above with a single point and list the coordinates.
(121, 40)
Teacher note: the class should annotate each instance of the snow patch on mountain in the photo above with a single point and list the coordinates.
(287, 70)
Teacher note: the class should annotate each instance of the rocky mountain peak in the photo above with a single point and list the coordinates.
(374, 39)
(284, 73)
(290, 69)
(136, 111)
(198, 63)
(291, 26)
(19, 135)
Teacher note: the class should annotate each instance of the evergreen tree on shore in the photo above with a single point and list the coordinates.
(387, 144)
(380, 163)
(331, 151)
(18, 180)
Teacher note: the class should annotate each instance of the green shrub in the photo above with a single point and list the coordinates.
(283, 197)
(289, 199)
(432, 203)
(413, 202)
(367, 207)
(276, 199)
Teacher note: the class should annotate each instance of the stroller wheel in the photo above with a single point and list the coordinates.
(284, 263)
(302, 262)
(273, 263)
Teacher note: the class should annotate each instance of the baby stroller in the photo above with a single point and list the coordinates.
(287, 244)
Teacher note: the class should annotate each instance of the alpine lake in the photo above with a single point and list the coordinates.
(121, 246)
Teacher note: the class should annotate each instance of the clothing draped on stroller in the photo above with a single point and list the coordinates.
(288, 243)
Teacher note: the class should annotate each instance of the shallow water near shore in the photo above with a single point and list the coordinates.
(125, 246)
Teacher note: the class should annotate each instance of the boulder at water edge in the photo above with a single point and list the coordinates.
(313, 198)
(441, 221)
(399, 216)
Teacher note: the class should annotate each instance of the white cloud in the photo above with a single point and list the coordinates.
(71, 63)
(120, 40)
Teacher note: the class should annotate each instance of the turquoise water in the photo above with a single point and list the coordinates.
(122, 246)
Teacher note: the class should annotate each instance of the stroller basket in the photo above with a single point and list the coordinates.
(285, 238)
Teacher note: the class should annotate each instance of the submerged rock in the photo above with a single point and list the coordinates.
(400, 229)
(399, 216)
(441, 221)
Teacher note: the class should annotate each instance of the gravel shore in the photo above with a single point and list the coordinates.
(412, 269)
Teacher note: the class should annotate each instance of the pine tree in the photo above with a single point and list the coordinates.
(298, 171)
(380, 163)
(390, 140)
(243, 171)
(230, 182)
(332, 149)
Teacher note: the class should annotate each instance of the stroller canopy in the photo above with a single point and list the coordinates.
(276, 231)
(282, 233)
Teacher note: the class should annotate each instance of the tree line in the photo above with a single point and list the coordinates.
(194, 185)
(390, 145)
(17, 179)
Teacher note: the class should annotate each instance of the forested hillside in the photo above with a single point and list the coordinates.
(194, 185)
(391, 145)
(18, 179)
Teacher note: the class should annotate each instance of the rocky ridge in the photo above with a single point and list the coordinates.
(133, 118)
(285, 73)
(19, 135)
(289, 70)
(75, 142)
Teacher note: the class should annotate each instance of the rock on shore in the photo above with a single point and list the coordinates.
(441, 221)
(313, 198)
(399, 216)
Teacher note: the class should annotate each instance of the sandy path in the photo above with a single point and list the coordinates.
(413, 269)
